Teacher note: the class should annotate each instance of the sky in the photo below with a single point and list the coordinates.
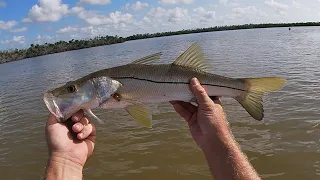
(25, 22)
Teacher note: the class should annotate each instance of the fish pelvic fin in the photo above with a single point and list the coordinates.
(193, 57)
(140, 114)
(252, 99)
(93, 115)
(147, 60)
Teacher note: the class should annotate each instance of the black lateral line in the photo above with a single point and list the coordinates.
(168, 82)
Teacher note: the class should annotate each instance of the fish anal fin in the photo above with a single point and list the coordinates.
(147, 60)
(140, 114)
(193, 57)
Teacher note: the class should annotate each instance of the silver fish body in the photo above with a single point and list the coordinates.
(163, 83)
(141, 82)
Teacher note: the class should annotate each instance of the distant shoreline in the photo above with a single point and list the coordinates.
(62, 46)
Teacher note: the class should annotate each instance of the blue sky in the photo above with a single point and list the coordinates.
(23, 22)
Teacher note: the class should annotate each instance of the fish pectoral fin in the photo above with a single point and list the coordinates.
(148, 59)
(141, 114)
(193, 57)
(93, 115)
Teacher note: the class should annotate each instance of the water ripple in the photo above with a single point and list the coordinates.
(288, 136)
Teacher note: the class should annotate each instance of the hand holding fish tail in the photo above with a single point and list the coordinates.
(68, 154)
(210, 130)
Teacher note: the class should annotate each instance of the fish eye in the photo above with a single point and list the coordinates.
(71, 89)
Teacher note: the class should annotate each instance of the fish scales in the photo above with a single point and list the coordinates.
(141, 82)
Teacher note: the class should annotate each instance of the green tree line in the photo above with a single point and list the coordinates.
(50, 48)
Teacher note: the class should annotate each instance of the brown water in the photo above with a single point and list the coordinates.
(283, 146)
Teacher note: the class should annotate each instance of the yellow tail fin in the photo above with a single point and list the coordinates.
(251, 100)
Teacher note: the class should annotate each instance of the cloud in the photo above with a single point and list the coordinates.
(224, 2)
(280, 8)
(233, 4)
(176, 1)
(204, 15)
(3, 4)
(213, 5)
(139, 5)
(114, 18)
(7, 25)
(178, 14)
(157, 12)
(89, 31)
(170, 15)
(15, 39)
(19, 30)
(248, 12)
(45, 39)
(76, 10)
(46, 11)
(95, 2)
(68, 29)
(296, 4)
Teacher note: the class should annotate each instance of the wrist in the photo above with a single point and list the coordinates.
(62, 166)
(219, 141)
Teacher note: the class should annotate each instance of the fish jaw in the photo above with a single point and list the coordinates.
(52, 106)
(63, 109)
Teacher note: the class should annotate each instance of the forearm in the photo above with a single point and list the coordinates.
(61, 167)
(226, 160)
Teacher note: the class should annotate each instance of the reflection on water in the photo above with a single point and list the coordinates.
(283, 146)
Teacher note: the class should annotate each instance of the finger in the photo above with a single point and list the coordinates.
(86, 131)
(77, 127)
(52, 120)
(199, 92)
(93, 134)
(192, 121)
(91, 139)
(183, 112)
(77, 116)
(190, 107)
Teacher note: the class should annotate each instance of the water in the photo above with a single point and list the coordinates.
(283, 146)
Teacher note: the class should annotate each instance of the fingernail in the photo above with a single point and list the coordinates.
(194, 81)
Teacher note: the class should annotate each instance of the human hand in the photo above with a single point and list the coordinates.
(62, 144)
(207, 122)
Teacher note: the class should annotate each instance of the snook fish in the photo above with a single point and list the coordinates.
(143, 81)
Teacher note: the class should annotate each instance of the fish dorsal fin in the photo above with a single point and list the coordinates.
(141, 114)
(148, 59)
(193, 57)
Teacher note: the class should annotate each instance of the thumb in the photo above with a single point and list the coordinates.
(203, 100)
(52, 120)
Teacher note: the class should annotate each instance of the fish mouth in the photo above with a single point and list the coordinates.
(50, 101)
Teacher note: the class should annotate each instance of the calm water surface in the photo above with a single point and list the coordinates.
(283, 146)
